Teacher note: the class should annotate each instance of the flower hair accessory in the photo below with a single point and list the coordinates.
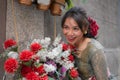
(93, 26)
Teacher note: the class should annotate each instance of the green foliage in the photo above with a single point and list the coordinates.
(69, 4)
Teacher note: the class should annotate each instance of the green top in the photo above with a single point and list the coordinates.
(92, 62)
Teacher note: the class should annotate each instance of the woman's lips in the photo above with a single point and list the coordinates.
(70, 39)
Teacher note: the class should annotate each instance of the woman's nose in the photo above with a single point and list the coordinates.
(70, 32)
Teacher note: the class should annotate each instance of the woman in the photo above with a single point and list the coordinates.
(80, 31)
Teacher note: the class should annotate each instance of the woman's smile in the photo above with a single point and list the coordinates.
(71, 39)
(72, 31)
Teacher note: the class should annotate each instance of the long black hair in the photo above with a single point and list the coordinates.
(80, 16)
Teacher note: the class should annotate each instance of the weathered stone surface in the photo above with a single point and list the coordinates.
(28, 21)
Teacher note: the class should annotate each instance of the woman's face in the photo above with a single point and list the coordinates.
(72, 31)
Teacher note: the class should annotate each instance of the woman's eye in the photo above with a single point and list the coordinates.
(76, 28)
(65, 27)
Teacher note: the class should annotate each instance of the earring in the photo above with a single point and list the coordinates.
(85, 32)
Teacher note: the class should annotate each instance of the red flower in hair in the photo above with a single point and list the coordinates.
(9, 43)
(32, 76)
(11, 65)
(73, 73)
(35, 47)
(26, 55)
(25, 70)
(93, 26)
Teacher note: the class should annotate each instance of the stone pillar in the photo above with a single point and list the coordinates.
(3, 8)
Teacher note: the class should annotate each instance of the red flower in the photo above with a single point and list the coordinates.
(71, 57)
(26, 55)
(35, 58)
(25, 70)
(9, 43)
(62, 58)
(93, 27)
(93, 78)
(45, 77)
(73, 73)
(65, 46)
(35, 47)
(11, 65)
(71, 47)
(32, 76)
(40, 70)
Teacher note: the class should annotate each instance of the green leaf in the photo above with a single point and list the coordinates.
(38, 64)
(27, 63)
(14, 49)
(49, 78)
(69, 4)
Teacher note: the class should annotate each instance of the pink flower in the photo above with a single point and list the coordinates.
(93, 26)
(26, 55)
(92, 78)
(9, 43)
(32, 76)
(35, 47)
(11, 65)
(73, 73)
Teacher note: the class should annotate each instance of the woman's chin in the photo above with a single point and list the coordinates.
(71, 43)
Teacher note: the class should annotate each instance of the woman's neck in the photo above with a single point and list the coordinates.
(80, 42)
(83, 43)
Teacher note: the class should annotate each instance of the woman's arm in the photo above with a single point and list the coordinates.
(99, 65)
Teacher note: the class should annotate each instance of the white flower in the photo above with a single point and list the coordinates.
(55, 52)
(45, 42)
(49, 68)
(65, 54)
(13, 55)
(36, 40)
(57, 40)
(23, 78)
(42, 54)
(68, 64)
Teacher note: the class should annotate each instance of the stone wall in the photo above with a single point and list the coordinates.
(28, 21)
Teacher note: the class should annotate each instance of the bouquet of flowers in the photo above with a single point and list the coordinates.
(43, 60)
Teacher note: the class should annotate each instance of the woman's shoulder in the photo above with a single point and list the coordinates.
(95, 45)
(95, 48)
